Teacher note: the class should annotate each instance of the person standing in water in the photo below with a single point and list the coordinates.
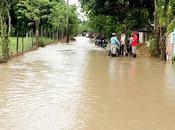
(114, 44)
(129, 46)
(122, 40)
(134, 44)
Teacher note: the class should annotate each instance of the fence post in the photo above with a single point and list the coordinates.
(51, 34)
(22, 42)
(59, 37)
(57, 34)
(17, 41)
(44, 30)
(23, 39)
(32, 37)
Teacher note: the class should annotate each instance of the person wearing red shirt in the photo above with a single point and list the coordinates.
(134, 43)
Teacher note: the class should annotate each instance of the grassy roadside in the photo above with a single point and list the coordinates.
(28, 44)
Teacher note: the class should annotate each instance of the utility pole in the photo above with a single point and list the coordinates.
(155, 15)
(67, 15)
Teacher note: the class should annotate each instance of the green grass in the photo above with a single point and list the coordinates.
(28, 45)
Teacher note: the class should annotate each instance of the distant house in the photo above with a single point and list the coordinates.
(144, 34)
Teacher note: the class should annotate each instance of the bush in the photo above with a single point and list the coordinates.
(41, 43)
(152, 45)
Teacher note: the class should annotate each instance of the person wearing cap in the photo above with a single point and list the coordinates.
(134, 43)
(114, 44)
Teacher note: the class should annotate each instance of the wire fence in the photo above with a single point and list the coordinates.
(21, 43)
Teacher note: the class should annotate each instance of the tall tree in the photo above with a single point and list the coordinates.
(35, 10)
(165, 23)
(58, 15)
(5, 28)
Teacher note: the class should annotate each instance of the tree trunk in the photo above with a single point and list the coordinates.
(37, 33)
(4, 37)
(163, 43)
(9, 21)
(5, 49)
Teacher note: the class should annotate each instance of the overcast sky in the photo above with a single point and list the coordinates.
(73, 2)
(80, 14)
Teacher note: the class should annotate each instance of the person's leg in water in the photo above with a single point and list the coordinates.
(134, 51)
(109, 54)
(130, 50)
(113, 50)
(122, 50)
(118, 51)
(100, 43)
(126, 50)
(110, 51)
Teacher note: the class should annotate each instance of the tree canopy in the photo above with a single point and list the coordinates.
(136, 13)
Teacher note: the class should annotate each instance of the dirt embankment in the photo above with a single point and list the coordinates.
(142, 50)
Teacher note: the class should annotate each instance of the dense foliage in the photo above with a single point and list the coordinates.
(119, 15)
(164, 24)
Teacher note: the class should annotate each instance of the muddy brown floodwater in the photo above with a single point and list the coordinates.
(78, 87)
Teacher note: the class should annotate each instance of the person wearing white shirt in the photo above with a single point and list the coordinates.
(122, 40)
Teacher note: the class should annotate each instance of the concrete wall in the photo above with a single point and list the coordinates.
(170, 45)
(141, 37)
(174, 42)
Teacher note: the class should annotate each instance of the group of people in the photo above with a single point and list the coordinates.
(123, 46)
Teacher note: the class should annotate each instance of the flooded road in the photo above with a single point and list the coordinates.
(78, 87)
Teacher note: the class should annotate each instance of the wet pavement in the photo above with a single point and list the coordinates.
(78, 87)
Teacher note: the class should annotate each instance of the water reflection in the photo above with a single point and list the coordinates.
(78, 87)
